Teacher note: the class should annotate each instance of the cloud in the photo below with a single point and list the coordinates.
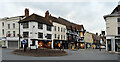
(87, 12)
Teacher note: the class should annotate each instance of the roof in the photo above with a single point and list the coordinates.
(114, 13)
(36, 18)
(70, 25)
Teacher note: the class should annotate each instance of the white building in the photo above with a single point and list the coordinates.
(59, 32)
(37, 31)
(113, 30)
(9, 31)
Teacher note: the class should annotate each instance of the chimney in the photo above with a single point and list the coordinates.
(47, 14)
(26, 12)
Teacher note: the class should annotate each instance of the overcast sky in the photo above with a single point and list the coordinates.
(87, 12)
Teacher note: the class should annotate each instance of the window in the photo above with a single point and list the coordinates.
(25, 34)
(64, 37)
(13, 25)
(25, 25)
(61, 37)
(118, 20)
(58, 29)
(40, 26)
(48, 36)
(118, 30)
(55, 35)
(8, 26)
(48, 28)
(2, 23)
(64, 29)
(8, 34)
(55, 28)
(13, 33)
(61, 29)
(3, 31)
(58, 36)
(40, 35)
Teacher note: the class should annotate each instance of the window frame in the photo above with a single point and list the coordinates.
(40, 26)
(40, 35)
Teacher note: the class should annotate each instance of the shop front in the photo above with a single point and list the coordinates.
(58, 44)
(117, 45)
(44, 43)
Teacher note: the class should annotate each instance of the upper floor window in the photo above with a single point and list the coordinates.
(40, 35)
(118, 20)
(58, 36)
(48, 28)
(58, 29)
(55, 28)
(25, 25)
(61, 29)
(64, 29)
(13, 33)
(49, 36)
(118, 30)
(8, 26)
(13, 25)
(8, 34)
(55, 35)
(64, 37)
(3, 31)
(2, 23)
(61, 37)
(25, 34)
(40, 26)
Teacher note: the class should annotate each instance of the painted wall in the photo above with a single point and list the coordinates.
(59, 32)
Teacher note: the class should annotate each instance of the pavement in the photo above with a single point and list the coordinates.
(81, 54)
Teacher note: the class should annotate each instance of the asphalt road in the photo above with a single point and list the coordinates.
(82, 54)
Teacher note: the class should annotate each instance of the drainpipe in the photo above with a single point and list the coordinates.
(19, 33)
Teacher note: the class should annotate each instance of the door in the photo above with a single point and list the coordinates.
(109, 44)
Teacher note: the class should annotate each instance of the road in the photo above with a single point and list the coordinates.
(82, 54)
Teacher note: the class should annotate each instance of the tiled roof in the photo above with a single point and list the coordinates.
(36, 18)
(70, 25)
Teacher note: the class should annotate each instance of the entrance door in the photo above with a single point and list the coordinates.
(109, 44)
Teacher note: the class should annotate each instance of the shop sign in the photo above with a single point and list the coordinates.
(33, 47)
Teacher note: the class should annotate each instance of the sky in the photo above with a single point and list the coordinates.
(88, 13)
